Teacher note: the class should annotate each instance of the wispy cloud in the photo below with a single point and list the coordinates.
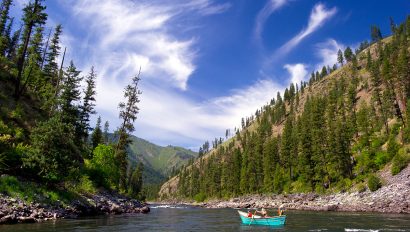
(124, 35)
(318, 16)
(298, 72)
(263, 15)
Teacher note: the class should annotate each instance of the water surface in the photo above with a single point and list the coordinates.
(185, 218)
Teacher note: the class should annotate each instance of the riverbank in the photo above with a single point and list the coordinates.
(392, 197)
(16, 210)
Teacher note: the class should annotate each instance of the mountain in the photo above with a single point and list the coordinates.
(331, 134)
(158, 161)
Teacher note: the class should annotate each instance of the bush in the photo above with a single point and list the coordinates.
(102, 168)
(374, 183)
(84, 185)
(200, 197)
(344, 185)
(400, 161)
(381, 159)
(392, 147)
(361, 187)
(300, 186)
(53, 153)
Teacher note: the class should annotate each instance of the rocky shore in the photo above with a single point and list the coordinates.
(392, 197)
(15, 210)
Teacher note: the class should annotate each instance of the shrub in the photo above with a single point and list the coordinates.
(84, 185)
(392, 147)
(344, 185)
(53, 153)
(200, 197)
(300, 186)
(361, 187)
(400, 161)
(102, 168)
(381, 159)
(374, 183)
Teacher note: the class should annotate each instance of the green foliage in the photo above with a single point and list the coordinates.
(392, 147)
(84, 185)
(102, 168)
(200, 197)
(374, 183)
(400, 161)
(53, 152)
(361, 187)
(30, 191)
(344, 185)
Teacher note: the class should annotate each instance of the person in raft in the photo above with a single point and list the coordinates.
(249, 214)
(280, 210)
(263, 212)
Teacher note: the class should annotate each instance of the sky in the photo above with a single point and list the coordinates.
(205, 64)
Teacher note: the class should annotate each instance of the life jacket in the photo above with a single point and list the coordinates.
(249, 214)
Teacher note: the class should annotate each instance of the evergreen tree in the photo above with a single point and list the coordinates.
(70, 96)
(106, 132)
(340, 57)
(4, 29)
(33, 16)
(87, 108)
(97, 136)
(128, 114)
(51, 66)
(135, 182)
(375, 33)
(348, 53)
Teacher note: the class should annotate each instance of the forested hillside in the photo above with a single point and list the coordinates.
(45, 108)
(331, 134)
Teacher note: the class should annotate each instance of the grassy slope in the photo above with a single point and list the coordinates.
(159, 160)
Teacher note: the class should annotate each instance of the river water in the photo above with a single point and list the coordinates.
(186, 218)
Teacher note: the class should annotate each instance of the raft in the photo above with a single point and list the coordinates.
(265, 221)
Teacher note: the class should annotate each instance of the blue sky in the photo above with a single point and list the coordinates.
(207, 63)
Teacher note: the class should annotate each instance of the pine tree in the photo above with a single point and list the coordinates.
(340, 57)
(136, 182)
(348, 53)
(97, 136)
(375, 33)
(70, 96)
(106, 132)
(128, 114)
(33, 16)
(87, 108)
(4, 29)
(51, 66)
(4, 16)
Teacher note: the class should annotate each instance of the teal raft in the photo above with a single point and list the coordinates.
(265, 221)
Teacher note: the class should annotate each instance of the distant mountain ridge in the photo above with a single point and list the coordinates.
(158, 161)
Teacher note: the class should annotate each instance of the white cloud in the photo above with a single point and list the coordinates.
(123, 36)
(263, 15)
(297, 72)
(317, 18)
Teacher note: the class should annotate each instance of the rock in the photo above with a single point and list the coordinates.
(8, 219)
(145, 209)
(26, 219)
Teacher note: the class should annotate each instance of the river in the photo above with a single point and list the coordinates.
(186, 218)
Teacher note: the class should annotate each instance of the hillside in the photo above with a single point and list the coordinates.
(331, 134)
(158, 161)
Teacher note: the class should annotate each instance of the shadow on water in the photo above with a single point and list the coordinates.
(185, 218)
